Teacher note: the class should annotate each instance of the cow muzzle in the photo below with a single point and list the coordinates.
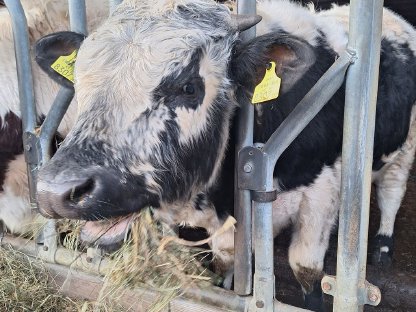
(90, 194)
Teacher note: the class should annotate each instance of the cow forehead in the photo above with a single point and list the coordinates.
(143, 42)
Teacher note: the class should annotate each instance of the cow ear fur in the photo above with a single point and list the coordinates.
(293, 57)
(49, 48)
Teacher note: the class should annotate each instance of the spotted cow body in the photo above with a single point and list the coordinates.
(43, 17)
(158, 85)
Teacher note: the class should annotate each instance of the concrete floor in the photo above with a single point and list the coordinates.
(397, 285)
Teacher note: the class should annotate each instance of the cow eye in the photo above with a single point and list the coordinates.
(188, 89)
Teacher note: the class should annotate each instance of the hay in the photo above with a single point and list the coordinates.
(170, 272)
(152, 257)
(25, 285)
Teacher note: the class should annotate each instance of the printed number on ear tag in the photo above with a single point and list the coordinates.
(64, 65)
(268, 89)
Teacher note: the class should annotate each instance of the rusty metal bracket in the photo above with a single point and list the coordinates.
(367, 293)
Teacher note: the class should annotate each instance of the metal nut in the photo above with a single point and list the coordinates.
(326, 286)
(247, 168)
(45, 248)
(89, 259)
(259, 304)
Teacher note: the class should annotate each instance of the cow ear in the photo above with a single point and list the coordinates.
(293, 57)
(56, 54)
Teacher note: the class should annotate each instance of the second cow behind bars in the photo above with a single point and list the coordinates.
(158, 85)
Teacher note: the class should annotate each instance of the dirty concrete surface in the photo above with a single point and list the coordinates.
(397, 284)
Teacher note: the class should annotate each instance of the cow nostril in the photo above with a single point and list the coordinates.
(80, 192)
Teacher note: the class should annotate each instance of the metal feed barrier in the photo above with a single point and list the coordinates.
(254, 167)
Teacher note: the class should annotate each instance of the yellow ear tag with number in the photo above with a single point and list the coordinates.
(268, 89)
(64, 65)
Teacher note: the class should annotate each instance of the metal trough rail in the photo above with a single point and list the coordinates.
(69, 264)
(364, 49)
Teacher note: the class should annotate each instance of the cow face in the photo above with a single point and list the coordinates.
(154, 107)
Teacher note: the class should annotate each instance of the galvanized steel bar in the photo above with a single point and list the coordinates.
(263, 288)
(78, 16)
(26, 93)
(359, 121)
(52, 120)
(78, 261)
(308, 107)
(242, 198)
(78, 22)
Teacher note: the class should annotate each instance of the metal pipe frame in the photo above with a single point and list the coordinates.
(99, 265)
(26, 92)
(78, 23)
(255, 169)
(242, 198)
(359, 123)
(256, 166)
(37, 147)
(78, 16)
(361, 93)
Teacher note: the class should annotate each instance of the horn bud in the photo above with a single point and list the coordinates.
(243, 22)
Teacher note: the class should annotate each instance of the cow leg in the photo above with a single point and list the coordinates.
(317, 214)
(390, 185)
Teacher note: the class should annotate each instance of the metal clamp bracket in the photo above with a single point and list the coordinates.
(264, 197)
(31, 147)
(252, 169)
(47, 241)
(368, 293)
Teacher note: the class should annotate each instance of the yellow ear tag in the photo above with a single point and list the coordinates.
(268, 89)
(64, 65)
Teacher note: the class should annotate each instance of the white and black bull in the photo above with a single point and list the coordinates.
(43, 17)
(157, 86)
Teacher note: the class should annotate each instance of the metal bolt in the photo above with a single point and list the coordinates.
(89, 259)
(251, 153)
(326, 286)
(373, 297)
(28, 147)
(45, 248)
(259, 304)
(247, 168)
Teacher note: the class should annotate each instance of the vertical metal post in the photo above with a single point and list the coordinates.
(78, 16)
(242, 198)
(26, 93)
(359, 121)
(264, 286)
(78, 22)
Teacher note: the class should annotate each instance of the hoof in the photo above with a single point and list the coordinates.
(383, 251)
(314, 300)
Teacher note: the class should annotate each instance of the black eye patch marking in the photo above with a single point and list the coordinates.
(184, 88)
